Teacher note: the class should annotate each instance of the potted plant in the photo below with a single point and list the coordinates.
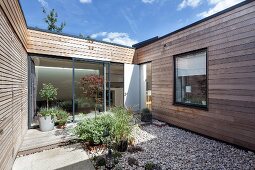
(46, 119)
(46, 115)
(146, 115)
(62, 118)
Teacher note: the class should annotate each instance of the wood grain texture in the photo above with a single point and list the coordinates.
(230, 41)
(13, 84)
(66, 46)
(13, 12)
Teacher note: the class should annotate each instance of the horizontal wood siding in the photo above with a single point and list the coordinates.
(230, 40)
(13, 87)
(15, 16)
(59, 45)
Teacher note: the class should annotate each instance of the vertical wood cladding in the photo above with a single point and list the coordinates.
(13, 90)
(230, 41)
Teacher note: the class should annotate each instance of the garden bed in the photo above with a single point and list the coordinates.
(174, 148)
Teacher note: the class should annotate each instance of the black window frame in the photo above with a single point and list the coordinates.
(190, 105)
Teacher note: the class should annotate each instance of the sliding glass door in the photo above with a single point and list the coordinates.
(88, 88)
(58, 73)
(83, 87)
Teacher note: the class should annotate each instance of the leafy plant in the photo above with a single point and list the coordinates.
(132, 161)
(152, 166)
(52, 19)
(92, 87)
(92, 130)
(100, 161)
(146, 115)
(121, 128)
(62, 117)
(47, 112)
(48, 92)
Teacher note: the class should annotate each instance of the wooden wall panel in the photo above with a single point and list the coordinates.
(54, 44)
(15, 16)
(13, 88)
(230, 40)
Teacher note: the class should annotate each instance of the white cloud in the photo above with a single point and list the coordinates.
(115, 37)
(43, 3)
(148, 1)
(219, 5)
(189, 3)
(85, 1)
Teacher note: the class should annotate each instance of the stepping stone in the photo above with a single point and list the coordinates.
(70, 157)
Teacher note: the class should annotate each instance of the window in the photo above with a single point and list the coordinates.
(191, 79)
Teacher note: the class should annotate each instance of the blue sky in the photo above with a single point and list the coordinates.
(123, 21)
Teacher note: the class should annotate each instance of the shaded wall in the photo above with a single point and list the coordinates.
(230, 41)
(13, 82)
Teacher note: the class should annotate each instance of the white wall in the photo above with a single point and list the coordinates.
(143, 86)
(131, 86)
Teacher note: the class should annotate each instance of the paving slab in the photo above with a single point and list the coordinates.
(70, 157)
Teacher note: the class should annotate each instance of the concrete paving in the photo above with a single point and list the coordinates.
(71, 157)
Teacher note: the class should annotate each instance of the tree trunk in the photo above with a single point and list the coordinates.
(47, 104)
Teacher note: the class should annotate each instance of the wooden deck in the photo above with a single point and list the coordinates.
(36, 141)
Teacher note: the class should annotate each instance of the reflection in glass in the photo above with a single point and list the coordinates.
(59, 74)
(191, 86)
(88, 82)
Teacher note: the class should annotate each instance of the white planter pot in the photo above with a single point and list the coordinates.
(46, 123)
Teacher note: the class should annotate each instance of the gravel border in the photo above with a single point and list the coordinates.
(175, 148)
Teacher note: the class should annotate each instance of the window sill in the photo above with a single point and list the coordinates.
(193, 106)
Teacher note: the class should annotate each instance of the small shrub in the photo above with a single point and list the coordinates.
(152, 166)
(146, 115)
(132, 161)
(92, 130)
(48, 92)
(100, 161)
(62, 117)
(47, 112)
(122, 127)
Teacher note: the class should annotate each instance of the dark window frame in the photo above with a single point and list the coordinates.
(189, 105)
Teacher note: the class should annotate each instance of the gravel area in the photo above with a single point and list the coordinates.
(174, 148)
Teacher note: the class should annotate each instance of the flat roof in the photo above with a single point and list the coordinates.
(154, 39)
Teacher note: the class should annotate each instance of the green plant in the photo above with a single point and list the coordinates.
(100, 161)
(91, 130)
(132, 161)
(146, 115)
(48, 92)
(122, 127)
(152, 166)
(52, 19)
(62, 117)
(48, 112)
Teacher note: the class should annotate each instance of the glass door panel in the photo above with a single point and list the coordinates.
(89, 88)
(57, 72)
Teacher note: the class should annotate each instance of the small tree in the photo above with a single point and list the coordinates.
(92, 87)
(48, 92)
(52, 19)
(84, 36)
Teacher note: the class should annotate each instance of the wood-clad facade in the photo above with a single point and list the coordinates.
(230, 42)
(54, 44)
(13, 82)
